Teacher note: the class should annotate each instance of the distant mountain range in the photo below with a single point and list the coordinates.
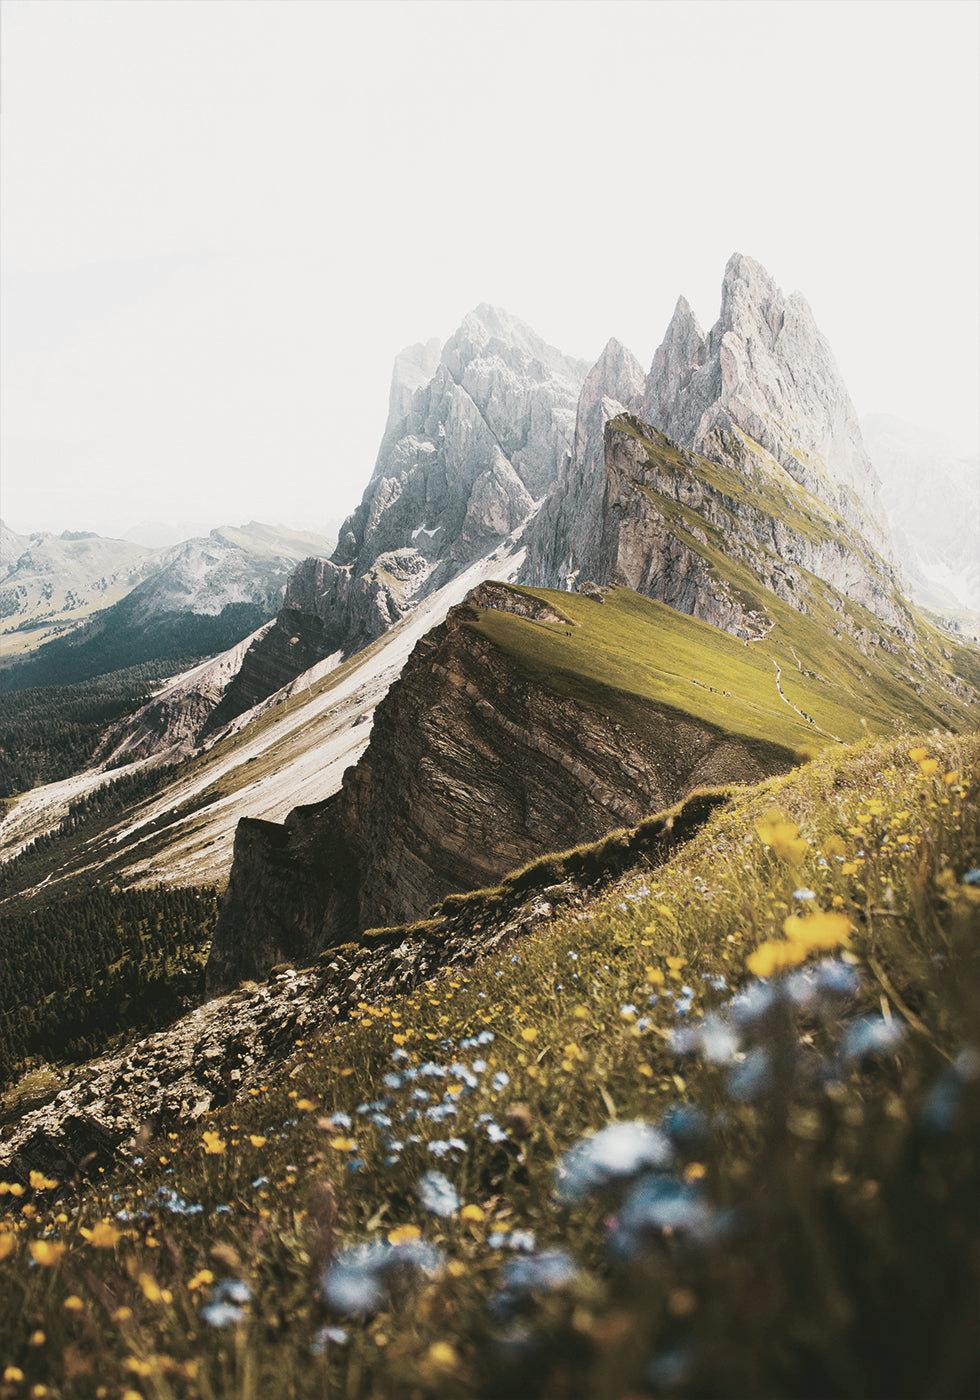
(74, 603)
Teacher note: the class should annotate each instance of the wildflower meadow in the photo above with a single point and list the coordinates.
(710, 1132)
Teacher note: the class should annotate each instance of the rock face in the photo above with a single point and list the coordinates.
(766, 370)
(932, 495)
(172, 721)
(571, 520)
(668, 523)
(473, 769)
(467, 454)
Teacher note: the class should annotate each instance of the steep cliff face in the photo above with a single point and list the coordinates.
(474, 440)
(679, 527)
(570, 522)
(474, 767)
(766, 370)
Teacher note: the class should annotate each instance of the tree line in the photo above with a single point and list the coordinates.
(79, 974)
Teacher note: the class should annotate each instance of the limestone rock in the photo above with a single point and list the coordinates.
(766, 369)
(571, 519)
(467, 454)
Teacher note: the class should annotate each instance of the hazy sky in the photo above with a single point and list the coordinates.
(222, 218)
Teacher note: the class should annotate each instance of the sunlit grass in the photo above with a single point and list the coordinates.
(387, 1220)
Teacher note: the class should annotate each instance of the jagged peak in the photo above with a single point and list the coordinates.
(487, 326)
(617, 373)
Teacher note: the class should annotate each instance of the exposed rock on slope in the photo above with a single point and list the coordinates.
(563, 539)
(464, 459)
(671, 525)
(473, 768)
(766, 369)
(217, 1052)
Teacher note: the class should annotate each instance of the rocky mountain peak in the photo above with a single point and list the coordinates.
(682, 352)
(414, 366)
(618, 376)
(766, 371)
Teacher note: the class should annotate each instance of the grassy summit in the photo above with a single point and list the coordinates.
(711, 1133)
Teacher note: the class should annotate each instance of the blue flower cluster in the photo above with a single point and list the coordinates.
(362, 1279)
(227, 1305)
(740, 1035)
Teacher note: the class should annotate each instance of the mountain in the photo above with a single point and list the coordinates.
(725, 620)
(730, 423)
(931, 493)
(202, 595)
(481, 758)
(468, 452)
(766, 371)
(50, 582)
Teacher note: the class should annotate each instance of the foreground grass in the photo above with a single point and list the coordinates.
(588, 1167)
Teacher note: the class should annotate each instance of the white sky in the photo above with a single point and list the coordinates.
(222, 218)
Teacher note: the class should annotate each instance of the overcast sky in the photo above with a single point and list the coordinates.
(221, 219)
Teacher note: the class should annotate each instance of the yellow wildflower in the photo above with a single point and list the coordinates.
(7, 1242)
(782, 836)
(40, 1182)
(202, 1279)
(13, 1374)
(928, 766)
(529, 1033)
(917, 755)
(818, 930)
(471, 1212)
(343, 1144)
(103, 1235)
(770, 958)
(257, 1140)
(950, 778)
(73, 1303)
(46, 1252)
(402, 1234)
(152, 1291)
(214, 1143)
(849, 867)
(444, 1356)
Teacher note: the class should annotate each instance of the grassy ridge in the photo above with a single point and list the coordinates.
(641, 648)
(387, 1220)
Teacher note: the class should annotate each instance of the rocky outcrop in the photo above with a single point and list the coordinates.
(766, 370)
(667, 523)
(467, 454)
(173, 721)
(473, 768)
(571, 520)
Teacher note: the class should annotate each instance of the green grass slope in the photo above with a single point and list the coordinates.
(633, 648)
(712, 1134)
